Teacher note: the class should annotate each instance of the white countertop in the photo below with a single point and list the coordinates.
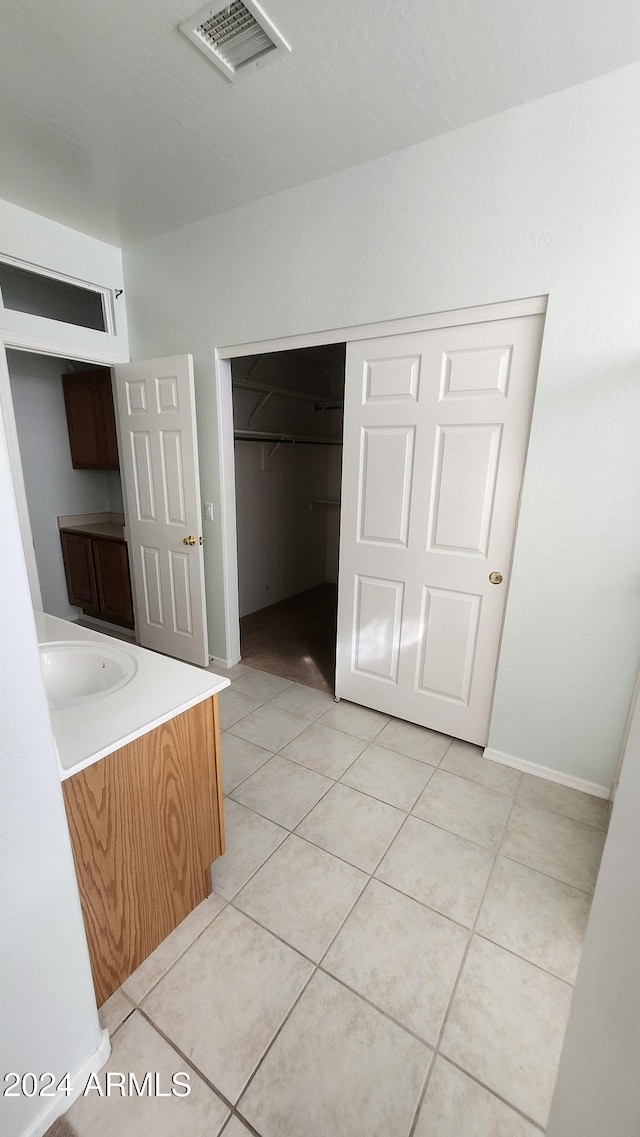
(160, 689)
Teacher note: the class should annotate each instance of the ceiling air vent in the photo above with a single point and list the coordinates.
(236, 36)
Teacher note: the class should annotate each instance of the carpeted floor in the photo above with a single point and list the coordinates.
(295, 639)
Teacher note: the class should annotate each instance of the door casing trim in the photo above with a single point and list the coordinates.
(483, 313)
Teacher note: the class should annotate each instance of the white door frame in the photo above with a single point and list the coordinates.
(528, 306)
(38, 345)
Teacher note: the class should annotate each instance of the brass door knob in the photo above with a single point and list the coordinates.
(188, 540)
(495, 577)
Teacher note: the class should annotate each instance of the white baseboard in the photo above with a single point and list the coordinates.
(226, 663)
(78, 1080)
(551, 775)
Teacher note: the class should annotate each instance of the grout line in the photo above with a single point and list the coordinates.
(564, 816)
(371, 876)
(200, 1073)
(374, 1006)
(494, 1093)
(558, 880)
(531, 962)
(277, 1034)
(171, 966)
(456, 984)
(541, 872)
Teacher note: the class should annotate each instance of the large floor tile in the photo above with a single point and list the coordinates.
(250, 840)
(260, 684)
(353, 826)
(158, 963)
(466, 808)
(137, 1048)
(538, 793)
(456, 1106)
(283, 791)
(466, 760)
(233, 706)
(302, 894)
(338, 1067)
(401, 956)
(391, 777)
(506, 1026)
(240, 760)
(269, 727)
(305, 701)
(324, 750)
(439, 869)
(536, 917)
(565, 849)
(353, 719)
(226, 997)
(414, 741)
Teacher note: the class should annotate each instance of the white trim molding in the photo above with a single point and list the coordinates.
(557, 776)
(78, 1081)
(482, 313)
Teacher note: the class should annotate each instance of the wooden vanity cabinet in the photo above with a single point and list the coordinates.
(88, 400)
(97, 572)
(146, 823)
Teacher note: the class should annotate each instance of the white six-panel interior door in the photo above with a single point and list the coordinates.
(435, 437)
(155, 403)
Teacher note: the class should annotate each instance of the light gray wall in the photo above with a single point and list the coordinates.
(540, 199)
(598, 1088)
(47, 1004)
(52, 486)
(282, 542)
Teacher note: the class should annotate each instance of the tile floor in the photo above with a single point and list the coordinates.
(390, 947)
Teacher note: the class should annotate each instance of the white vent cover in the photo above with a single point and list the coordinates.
(234, 36)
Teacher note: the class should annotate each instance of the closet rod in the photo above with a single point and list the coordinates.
(287, 393)
(267, 436)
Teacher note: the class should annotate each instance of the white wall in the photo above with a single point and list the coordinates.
(598, 1089)
(282, 542)
(53, 487)
(539, 199)
(47, 1004)
(38, 241)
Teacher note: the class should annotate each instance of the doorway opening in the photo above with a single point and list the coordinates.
(287, 422)
(68, 453)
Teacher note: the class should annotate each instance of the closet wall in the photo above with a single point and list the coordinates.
(52, 486)
(287, 534)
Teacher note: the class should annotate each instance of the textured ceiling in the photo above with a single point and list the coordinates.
(113, 123)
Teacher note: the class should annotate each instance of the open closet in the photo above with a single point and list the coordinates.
(288, 413)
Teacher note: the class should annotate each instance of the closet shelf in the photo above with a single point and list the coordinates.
(268, 436)
(324, 502)
(326, 402)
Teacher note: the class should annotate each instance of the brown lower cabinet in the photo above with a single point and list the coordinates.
(146, 823)
(97, 572)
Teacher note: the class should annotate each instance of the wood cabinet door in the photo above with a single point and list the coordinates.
(91, 421)
(112, 461)
(112, 577)
(146, 822)
(77, 555)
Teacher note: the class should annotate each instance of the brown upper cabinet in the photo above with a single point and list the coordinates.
(88, 400)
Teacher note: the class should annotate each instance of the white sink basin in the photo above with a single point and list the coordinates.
(76, 673)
